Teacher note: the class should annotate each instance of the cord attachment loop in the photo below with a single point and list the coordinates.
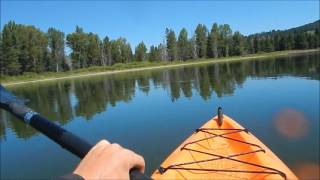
(27, 117)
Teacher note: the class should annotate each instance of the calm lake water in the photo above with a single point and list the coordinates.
(152, 112)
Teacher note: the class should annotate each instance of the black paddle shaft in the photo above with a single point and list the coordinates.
(64, 138)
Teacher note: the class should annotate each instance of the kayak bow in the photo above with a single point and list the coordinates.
(223, 149)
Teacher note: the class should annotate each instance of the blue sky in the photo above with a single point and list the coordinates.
(143, 20)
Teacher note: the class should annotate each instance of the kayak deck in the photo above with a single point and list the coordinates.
(225, 152)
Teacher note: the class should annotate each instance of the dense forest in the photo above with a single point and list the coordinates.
(25, 48)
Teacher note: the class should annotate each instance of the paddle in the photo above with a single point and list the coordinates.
(64, 138)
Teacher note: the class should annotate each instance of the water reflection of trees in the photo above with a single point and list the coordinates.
(61, 101)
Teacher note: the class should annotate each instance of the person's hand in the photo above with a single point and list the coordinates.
(109, 161)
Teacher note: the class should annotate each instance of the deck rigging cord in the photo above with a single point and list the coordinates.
(215, 157)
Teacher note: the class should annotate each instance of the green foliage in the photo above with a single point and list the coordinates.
(141, 52)
(93, 50)
(86, 49)
(27, 49)
(24, 49)
(9, 50)
(126, 51)
(212, 48)
(171, 45)
(77, 42)
(56, 50)
(301, 41)
(201, 40)
(121, 51)
(106, 52)
(225, 33)
(256, 44)
(237, 44)
(37, 45)
(183, 45)
(154, 54)
(163, 53)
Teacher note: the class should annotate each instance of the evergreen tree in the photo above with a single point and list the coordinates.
(282, 42)
(27, 49)
(115, 51)
(225, 39)
(250, 45)
(183, 45)
(317, 37)
(171, 45)
(201, 40)
(237, 44)
(268, 45)
(1, 56)
(256, 44)
(312, 40)
(107, 51)
(213, 37)
(163, 52)
(301, 40)
(141, 52)
(290, 41)
(154, 54)
(193, 47)
(276, 41)
(126, 51)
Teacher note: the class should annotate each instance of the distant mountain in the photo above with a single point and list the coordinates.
(310, 27)
(307, 27)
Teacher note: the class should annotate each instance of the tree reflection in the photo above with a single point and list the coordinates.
(93, 95)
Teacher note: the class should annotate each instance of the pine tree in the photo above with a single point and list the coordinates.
(237, 44)
(115, 51)
(201, 40)
(125, 50)
(171, 45)
(268, 45)
(225, 39)
(107, 51)
(163, 52)
(256, 44)
(183, 43)
(301, 41)
(141, 52)
(213, 37)
(193, 47)
(154, 54)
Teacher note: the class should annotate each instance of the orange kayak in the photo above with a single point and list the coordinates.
(228, 151)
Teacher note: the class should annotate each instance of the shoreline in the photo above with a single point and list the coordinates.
(155, 66)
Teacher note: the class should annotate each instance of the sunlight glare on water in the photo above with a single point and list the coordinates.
(291, 124)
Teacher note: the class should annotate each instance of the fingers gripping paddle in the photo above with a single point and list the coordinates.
(64, 138)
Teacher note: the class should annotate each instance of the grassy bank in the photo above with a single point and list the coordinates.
(137, 66)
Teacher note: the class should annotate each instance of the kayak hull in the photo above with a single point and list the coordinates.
(228, 151)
